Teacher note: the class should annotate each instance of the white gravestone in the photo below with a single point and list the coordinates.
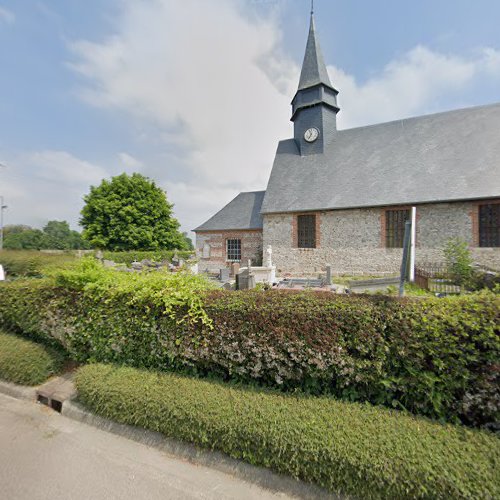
(2, 273)
(269, 255)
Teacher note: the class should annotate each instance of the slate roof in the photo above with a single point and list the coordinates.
(314, 70)
(441, 157)
(243, 212)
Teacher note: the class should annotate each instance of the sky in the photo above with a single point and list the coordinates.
(195, 94)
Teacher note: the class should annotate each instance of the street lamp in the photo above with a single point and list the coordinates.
(2, 208)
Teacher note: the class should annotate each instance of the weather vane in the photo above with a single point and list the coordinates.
(312, 7)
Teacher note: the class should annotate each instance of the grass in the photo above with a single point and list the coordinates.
(348, 448)
(34, 264)
(25, 362)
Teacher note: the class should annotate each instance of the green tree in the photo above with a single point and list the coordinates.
(130, 213)
(188, 241)
(28, 239)
(15, 229)
(59, 236)
(56, 235)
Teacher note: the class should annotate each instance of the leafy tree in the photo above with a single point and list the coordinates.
(59, 236)
(56, 235)
(188, 241)
(15, 229)
(130, 213)
(29, 239)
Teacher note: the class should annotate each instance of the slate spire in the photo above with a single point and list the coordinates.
(313, 68)
(314, 107)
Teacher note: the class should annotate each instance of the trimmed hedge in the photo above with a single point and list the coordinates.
(27, 363)
(347, 448)
(154, 256)
(433, 357)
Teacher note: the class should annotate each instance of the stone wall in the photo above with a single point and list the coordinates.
(353, 241)
(211, 248)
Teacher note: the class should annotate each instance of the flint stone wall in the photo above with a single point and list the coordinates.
(353, 241)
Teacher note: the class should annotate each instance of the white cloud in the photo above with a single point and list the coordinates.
(194, 204)
(195, 69)
(62, 167)
(217, 88)
(47, 185)
(414, 84)
(129, 163)
(7, 16)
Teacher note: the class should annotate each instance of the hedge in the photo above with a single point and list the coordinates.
(348, 448)
(154, 256)
(27, 363)
(434, 357)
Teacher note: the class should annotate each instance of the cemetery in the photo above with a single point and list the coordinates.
(340, 327)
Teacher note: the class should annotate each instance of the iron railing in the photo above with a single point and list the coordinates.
(436, 278)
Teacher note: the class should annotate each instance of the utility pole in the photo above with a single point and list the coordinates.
(2, 208)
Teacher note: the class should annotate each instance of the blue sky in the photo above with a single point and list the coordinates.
(195, 94)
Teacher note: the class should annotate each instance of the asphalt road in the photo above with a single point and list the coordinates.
(44, 455)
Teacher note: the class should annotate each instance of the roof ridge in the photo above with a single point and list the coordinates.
(428, 115)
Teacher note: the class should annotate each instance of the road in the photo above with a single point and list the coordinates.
(44, 455)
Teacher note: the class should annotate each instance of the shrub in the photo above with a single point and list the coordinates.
(24, 362)
(348, 448)
(459, 262)
(433, 357)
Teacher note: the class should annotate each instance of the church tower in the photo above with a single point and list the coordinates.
(314, 106)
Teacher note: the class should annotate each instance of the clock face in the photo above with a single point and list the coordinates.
(311, 134)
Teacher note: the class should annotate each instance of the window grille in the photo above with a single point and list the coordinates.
(489, 225)
(306, 231)
(395, 227)
(233, 250)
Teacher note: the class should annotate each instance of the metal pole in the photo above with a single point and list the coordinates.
(2, 206)
(412, 244)
(404, 263)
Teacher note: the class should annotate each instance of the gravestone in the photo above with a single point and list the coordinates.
(224, 274)
(235, 268)
(328, 275)
(246, 279)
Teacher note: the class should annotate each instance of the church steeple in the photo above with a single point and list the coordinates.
(315, 103)
(313, 68)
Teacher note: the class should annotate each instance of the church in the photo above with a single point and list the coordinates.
(341, 197)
